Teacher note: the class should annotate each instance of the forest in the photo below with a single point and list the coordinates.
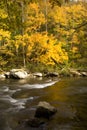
(43, 34)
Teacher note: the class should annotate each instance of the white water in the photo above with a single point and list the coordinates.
(37, 86)
(20, 103)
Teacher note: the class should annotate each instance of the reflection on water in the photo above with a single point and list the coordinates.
(18, 100)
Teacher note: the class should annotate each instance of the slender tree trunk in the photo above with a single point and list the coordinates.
(46, 16)
(23, 20)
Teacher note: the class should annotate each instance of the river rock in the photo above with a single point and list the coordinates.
(84, 74)
(45, 110)
(7, 75)
(74, 73)
(2, 76)
(18, 74)
(38, 74)
(34, 122)
(52, 74)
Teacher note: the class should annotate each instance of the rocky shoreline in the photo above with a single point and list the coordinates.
(22, 74)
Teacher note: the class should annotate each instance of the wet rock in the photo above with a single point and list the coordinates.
(74, 73)
(34, 122)
(38, 74)
(45, 110)
(84, 74)
(52, 74)
(7, 75)
(2, 76)
(41, 117)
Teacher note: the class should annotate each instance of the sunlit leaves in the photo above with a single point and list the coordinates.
(4, 36)
(35, 18)
(44, 48)
(3, 14)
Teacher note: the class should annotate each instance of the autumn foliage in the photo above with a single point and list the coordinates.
(37, 32)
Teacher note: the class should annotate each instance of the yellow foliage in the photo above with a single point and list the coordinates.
(4, 34)
(74, 49)
(3, 14)
(67, 21)
(60, 15)
(75, 39)
(43, 48)
(35, 18)
(37, 45)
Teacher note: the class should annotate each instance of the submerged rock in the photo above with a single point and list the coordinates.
(41, 117)
(45, 110)
(34, 122)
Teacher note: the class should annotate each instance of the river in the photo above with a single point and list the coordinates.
(19, 98)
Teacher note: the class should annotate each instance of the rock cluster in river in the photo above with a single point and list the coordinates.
(16, 74)
(43, 113)
(22, 74)
(45, 110)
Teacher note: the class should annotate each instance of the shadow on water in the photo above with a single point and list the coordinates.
(18, 101)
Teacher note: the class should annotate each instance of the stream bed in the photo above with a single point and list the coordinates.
(19, 99)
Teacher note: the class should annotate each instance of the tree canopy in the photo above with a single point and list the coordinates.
(47, 32)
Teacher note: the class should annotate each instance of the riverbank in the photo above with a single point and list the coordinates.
(25, 73)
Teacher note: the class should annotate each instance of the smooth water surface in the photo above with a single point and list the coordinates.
(19, 98)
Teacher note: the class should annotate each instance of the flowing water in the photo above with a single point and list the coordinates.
(19, 98)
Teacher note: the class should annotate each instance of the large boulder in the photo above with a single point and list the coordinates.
(42, 114)
(45, 110)
(18, 74)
